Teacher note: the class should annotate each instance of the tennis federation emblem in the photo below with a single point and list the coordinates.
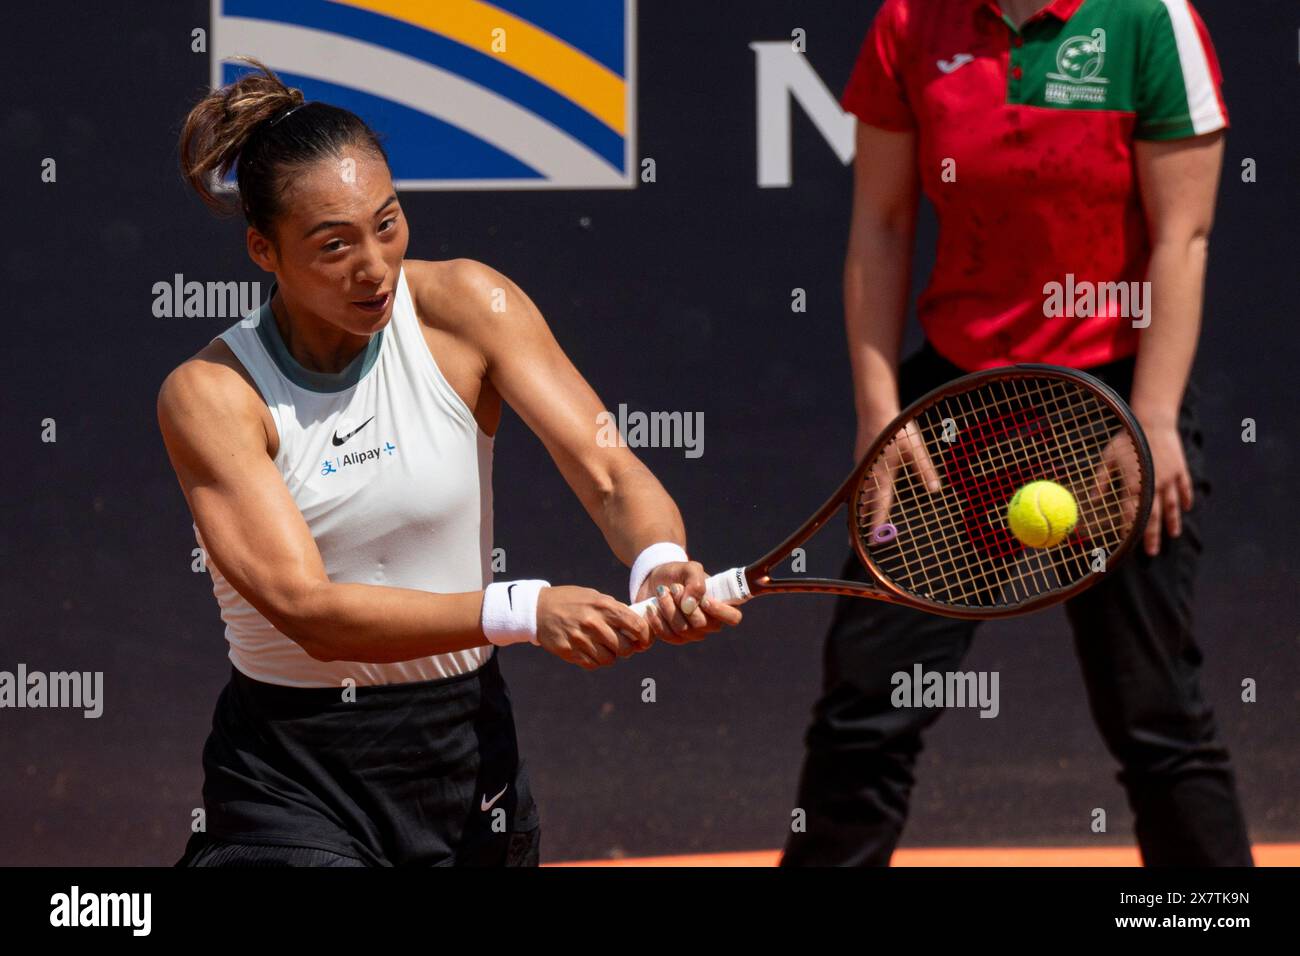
(512, 94)
(1078, 67)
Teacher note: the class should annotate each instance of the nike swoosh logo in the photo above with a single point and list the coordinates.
(485, 804)
(510, 595)
(956, 63)
(339, 441)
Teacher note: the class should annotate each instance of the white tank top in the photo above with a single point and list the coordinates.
(393, 476)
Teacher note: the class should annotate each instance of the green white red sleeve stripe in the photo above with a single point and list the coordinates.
(1200, 69)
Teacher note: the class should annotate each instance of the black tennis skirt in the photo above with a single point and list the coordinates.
(418, 774)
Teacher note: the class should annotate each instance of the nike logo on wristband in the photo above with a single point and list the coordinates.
(510, 595)
(485, 804)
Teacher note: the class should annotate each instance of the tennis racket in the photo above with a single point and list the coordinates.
(927, 504)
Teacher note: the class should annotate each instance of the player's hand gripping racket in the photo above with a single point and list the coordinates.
(951, 550)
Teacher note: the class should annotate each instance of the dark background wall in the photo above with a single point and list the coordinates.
(671, 296)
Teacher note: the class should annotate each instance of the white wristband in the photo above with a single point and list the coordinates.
(510, 611)
(648, 560)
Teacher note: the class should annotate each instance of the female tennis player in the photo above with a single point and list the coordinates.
(1071, 145)
(335, 449)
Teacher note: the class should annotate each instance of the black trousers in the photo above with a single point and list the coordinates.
(1133, 638)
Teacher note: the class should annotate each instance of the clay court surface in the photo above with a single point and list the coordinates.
(1269, 854)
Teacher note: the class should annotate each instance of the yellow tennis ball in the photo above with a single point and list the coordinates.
(1042, 514)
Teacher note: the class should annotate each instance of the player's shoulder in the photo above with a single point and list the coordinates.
(207, 390)
(447, 281)
(910, 25)
(462, 296)
(902, 13)
(1130, 14)
(1143, 9)
(895, 14)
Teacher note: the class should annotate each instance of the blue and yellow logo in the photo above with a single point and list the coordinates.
(512, 94)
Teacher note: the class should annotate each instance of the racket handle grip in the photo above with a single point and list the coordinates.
(728, 587)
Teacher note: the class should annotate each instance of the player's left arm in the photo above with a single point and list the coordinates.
(531, 372)
(1180, 116)
(1179, 181)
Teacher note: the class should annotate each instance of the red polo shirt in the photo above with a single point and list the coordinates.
(1025, 148)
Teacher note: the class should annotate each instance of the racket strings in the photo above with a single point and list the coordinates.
(1067, 468)
(988, 529)
(940, 566)
(1071, 477)
(974, 578)
(955, 546)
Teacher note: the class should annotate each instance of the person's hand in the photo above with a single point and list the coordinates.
(683, 612)
(1172, 482)
(907, 449)
(587, 628)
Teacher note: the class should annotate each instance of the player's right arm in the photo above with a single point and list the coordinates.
(877, 272)
(877, 279)
(256, 536)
